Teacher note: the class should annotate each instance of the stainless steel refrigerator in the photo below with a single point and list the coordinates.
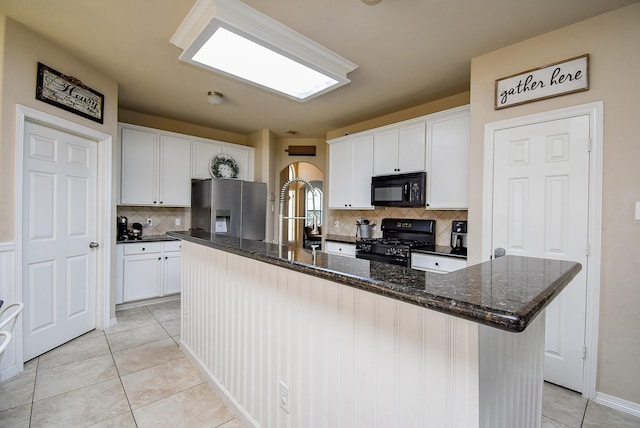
(229, 207)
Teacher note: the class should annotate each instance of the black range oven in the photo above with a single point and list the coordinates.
(399, 237)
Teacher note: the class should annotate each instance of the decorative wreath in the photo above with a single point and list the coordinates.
(223, 166)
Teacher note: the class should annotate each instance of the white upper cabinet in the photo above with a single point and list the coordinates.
(174, 171)
(156, 168)
(203, 150)
(350, 171)
(448, 159)
(400, 149)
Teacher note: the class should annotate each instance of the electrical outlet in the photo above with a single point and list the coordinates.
(149, 222)
(177, 221)
(336, 223)
(283, 397)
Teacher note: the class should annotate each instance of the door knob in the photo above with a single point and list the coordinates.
(499, 252)
(93, 245)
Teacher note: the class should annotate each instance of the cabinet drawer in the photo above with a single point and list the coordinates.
(142, 248)
(437, 264)
(340, 248)
(172, 245)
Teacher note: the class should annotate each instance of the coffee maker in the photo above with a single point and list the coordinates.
(123, 232)
(459, 237)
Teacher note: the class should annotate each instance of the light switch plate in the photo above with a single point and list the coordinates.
(637, 210)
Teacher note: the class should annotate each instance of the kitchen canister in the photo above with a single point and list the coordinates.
(364, 229)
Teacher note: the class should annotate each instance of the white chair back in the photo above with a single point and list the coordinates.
(5, 338)
(9, 315)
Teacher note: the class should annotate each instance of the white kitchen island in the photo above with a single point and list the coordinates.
(297, 341)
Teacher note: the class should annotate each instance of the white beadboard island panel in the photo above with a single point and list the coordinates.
(350, 358)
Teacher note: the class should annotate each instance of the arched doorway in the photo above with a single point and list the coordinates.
(299, 202)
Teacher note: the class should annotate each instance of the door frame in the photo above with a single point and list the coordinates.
(104, 207)
(595, 113)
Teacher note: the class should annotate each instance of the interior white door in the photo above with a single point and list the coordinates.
(59, 211)
(541, 209)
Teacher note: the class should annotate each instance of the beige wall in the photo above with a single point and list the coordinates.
(151, 121)
(612, 41)
(406, 114)
(22, 49)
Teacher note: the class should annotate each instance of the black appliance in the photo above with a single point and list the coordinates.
(122, 226)
(400, 190)
(459, 237)
(399, 237)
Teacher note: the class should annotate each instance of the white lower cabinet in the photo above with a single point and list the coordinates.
(147, 269)
(436, 264)
(340, 248)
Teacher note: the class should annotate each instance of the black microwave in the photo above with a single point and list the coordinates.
(400, 190)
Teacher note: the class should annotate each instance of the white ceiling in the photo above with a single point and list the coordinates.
(409, 52)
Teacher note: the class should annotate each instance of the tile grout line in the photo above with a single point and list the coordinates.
(120, 380)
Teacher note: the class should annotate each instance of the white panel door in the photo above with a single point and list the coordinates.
(59, 210)
(540, 209)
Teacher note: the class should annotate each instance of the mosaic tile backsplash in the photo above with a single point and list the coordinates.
(343, 222)
(163, 218)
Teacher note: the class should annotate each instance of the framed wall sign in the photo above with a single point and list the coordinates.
(69, 93)
(560, 78)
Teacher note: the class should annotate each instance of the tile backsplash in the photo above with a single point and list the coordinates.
(346, 220)
(163, 218)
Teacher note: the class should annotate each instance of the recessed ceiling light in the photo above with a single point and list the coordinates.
(232, 38)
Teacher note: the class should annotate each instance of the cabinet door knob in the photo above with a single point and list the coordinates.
(143, 248)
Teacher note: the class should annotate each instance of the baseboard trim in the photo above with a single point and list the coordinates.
(219, 389)
(618, 403)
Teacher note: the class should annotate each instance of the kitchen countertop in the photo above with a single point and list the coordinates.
(506, 293)
(148, 238)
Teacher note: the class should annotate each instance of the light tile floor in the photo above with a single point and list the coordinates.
(562, 408)
(134, 375)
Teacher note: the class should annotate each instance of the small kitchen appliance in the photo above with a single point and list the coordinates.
(399, 237)
(459, 237)
(399, 190)
(136, 231)
(122, 225)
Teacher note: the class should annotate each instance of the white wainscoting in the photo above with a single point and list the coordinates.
(350, 358)
(11, 361)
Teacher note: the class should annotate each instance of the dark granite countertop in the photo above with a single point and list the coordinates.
(506, 293)
(148, 238)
